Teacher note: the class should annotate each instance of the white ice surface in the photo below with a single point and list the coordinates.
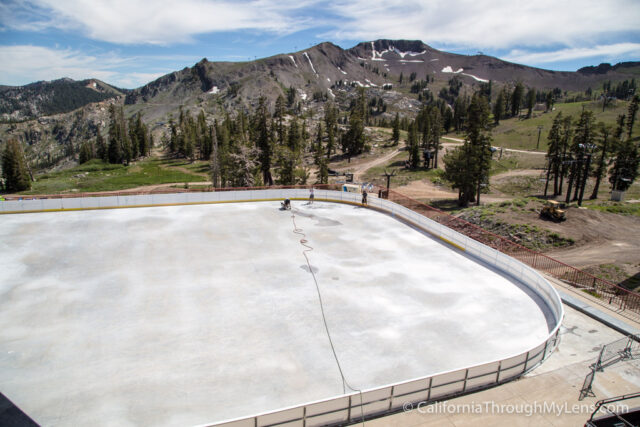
(191, 314)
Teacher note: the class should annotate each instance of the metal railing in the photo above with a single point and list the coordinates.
(605, 293)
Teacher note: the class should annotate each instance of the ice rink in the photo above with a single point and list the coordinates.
(186, 315)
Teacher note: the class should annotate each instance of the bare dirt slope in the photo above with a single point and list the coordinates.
(601, 238)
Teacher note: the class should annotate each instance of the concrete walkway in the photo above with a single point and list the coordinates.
(546, 396)
(549, 394)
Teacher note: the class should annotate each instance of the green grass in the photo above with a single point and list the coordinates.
(520, 186)
(98, 176)
(623, 208)
(512, 161)
(523, 133)
(403, 175)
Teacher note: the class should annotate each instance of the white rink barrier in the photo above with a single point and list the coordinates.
(390, 398)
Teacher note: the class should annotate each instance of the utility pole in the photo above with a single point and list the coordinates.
(389, 175)
(584, 180)
(539, 132)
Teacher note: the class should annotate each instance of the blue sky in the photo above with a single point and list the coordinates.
(131, 42)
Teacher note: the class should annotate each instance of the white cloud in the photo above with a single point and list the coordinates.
(607, 51)
(160, 22)
(495, 24)
(25, 64)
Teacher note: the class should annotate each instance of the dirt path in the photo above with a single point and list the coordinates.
(459, 141)
(425, 189)
(360, 169)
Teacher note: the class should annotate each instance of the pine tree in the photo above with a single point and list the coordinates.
(436, 128)
(530, 102)
(516, 99)
(215, 159)
(353, 140)
(549, 101)
(115, 146)
(323, 171)
(86, 152)
(263, 142)
(14, 168)
(101, 148)
(554, 151)
(582, 141)
(625, 166)
(567, 136)
(604, 147)
(631, 115)
(318, 149)
(414, 147)
(498, 108)
(396, 129)
(330, 121)
(467, 167)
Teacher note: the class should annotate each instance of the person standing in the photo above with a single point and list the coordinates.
(311, 196)
(364, 197)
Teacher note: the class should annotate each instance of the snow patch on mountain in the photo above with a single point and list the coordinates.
(294, 61)
(331, 93)
(214, 90)
(342, 71)
(310, 63)
(403, 54)
(476, 78)
(369, 81)
(448, 69)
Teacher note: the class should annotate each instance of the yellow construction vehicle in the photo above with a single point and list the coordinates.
(553, 210)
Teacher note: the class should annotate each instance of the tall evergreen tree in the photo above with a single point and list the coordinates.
(467, 167)
(631, 115)
(14, 168)
(530, 101)
(414, 147)
(436, 129)
(625, 166)
(554, 151)
(604, 149)
(499, 108)
(86, 152)
(215, 159)
(583, 142)
(115, 138)
(101, 147)
(396, 129)
(567, 136)
(263, 142)
(331, 123)
(516, 99)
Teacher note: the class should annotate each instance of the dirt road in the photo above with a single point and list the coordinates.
(360, 169)
(459, 141)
